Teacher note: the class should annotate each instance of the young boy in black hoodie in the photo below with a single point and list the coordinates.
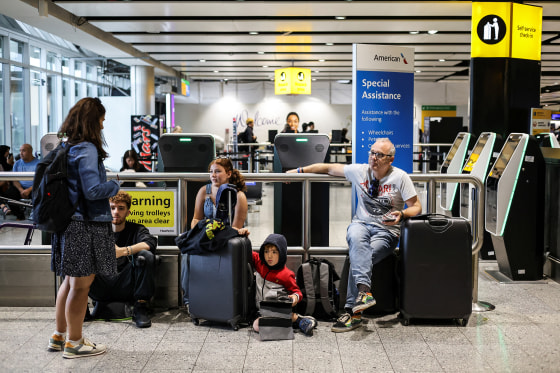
(273, 277)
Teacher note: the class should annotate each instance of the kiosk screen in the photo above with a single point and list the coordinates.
(493, 180)
(452, 152)
(504, 157)
(476, 153)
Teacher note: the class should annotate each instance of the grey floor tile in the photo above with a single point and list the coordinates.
(363, 356)
(224, 334)
(173, 356)
(224, 356)
(407, 350)
(415, 364)
(270, 356)
(318, 357)
(403, 334)
(451, 335)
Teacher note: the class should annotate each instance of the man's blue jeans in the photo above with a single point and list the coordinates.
(368, 245)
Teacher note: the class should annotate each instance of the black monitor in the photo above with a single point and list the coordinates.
(301, 149)
(271, 135)
(336, 136)
(186, 152)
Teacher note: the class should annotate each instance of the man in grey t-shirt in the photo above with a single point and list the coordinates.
(373, 234)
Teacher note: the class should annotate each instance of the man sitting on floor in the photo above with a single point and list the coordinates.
(135, 249)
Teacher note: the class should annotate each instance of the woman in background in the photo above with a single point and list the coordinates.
(292, 123)
(130, 163)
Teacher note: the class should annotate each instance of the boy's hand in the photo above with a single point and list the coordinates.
(294, 299)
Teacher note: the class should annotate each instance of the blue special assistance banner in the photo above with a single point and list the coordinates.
(383, 101)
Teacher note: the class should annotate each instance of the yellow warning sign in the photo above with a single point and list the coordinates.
(154, 208)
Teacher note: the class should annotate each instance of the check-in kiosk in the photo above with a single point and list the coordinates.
(187, 152)
(292, 150)
(482, 156)
(515, 208)
(453, 164)
(547, 140)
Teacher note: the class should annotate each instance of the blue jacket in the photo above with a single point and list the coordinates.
(88, 184)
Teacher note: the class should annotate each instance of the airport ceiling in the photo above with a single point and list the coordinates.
(247, 40)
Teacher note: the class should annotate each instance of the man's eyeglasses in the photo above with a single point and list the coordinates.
(373, 189)
(378, 155)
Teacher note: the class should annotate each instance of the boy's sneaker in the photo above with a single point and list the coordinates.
(363, 301)
(307, 324)
(56, 343)
(85, 348)
(347, 322)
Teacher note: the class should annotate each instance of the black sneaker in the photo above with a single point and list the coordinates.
(307, 324)
(141, 317)
(346, 322)
(363, 301)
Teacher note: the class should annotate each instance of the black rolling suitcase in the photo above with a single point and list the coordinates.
(435, 268)
(221, 284)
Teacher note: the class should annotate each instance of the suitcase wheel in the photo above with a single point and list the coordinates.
(406, 322)
(195, 321)
(463, 322)
(234, 326)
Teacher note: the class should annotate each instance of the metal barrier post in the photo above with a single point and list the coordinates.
(306, 219)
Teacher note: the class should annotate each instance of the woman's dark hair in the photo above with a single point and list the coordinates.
(82, 124)
(292, 113)
(4, 160)
(236, 178)
(131, 154)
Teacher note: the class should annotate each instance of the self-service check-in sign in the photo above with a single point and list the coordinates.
(506, 30)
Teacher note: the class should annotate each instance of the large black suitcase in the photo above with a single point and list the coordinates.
(221, 284)
(435, 268)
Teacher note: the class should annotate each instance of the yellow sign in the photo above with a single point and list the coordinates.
(506, 30)
(292, 80)
(526, 32)
(154, 208)
(490, 34)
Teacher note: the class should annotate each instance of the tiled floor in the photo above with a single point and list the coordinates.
(521, 335)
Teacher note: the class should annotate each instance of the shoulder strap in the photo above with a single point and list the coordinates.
(208, 189)
(309, 288)
(324, 275)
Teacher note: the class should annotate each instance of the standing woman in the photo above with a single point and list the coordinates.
(87, 246)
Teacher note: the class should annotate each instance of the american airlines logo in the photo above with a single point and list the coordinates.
(379, 58)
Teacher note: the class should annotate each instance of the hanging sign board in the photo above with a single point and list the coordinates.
(383, 100)
(505, 29)
(292, 80)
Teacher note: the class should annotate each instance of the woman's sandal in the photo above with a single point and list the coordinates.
(5, 210)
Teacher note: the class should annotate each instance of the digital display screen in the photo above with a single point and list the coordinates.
(476, 152)
(453, 150)
(505, 156)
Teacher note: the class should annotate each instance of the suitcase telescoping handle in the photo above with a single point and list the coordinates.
(437, 222)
